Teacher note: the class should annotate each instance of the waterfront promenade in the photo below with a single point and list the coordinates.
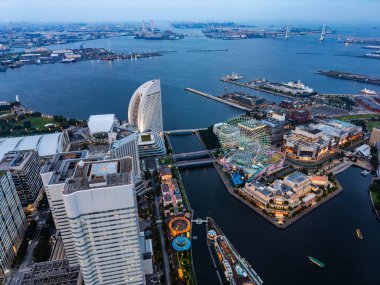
(269, 219)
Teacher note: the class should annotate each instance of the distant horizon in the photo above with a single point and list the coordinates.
(242, 11)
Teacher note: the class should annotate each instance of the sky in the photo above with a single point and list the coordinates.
(249, 11)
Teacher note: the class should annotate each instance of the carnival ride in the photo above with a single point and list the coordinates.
(179, 225)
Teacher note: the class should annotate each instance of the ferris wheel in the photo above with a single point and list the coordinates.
(245, 142)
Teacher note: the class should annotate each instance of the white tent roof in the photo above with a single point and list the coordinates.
(364, 150)
(101, 123)
(46, 145)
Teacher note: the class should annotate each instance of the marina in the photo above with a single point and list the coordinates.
(236, 269)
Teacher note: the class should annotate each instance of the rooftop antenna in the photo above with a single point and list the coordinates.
(323, 33)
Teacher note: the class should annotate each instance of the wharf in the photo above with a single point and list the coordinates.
(246, 85)
(218, 99)
(350, 76)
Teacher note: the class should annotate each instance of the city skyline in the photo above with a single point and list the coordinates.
(243, 10)
(189, 142)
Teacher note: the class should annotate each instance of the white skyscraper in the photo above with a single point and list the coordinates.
(12, 222)
(145, 108)
(127, 146)
(54, 175)
(101, 206)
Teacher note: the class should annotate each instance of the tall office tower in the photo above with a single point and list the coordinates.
(12, 222)
(54, 174)
(101, 206)
(145, 108)
(25, 168)
(127, 146)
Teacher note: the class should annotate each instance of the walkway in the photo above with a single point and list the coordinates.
(165, 255)
(195, 162)
(218, 99)
(189, 154)
(183, 131)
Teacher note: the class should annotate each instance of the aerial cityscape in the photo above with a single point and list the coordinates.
(153, 142)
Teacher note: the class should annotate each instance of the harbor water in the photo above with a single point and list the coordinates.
(94, 87)
(280, 256)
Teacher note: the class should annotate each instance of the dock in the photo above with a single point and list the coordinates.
(218, 99)
(257, 88)
(350, 76)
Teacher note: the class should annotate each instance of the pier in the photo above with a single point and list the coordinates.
(257, 88)
(218, 99)
(350, 76)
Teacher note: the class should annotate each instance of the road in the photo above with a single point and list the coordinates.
(165, 255)
(17, 275)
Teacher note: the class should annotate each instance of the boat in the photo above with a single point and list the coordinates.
(365, 172)
(359, 234)
(233, 77)
(236, 269)
(316, 261)
(368, 92)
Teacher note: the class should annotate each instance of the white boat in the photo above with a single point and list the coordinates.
(233, 77)
(368, 92)
(365, 172)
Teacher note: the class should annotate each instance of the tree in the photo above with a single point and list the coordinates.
(36, 114)
(27, 124)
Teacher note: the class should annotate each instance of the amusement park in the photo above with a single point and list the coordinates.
(247, 151)
(178, 215)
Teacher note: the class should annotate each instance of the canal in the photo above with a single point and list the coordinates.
(279, 256)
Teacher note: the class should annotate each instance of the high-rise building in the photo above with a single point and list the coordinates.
(127, 146)
(145, 108)
(24, 167)
(54, 175)
(12, 222)
(101, 206)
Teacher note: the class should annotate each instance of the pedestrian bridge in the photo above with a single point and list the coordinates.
(194, 153)
(183, 131)
(195, 162)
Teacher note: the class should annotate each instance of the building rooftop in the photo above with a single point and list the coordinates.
(296, 177)
(15, 160)
(54, 164)
(100, 174)
(46, 145)
(101, 123)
